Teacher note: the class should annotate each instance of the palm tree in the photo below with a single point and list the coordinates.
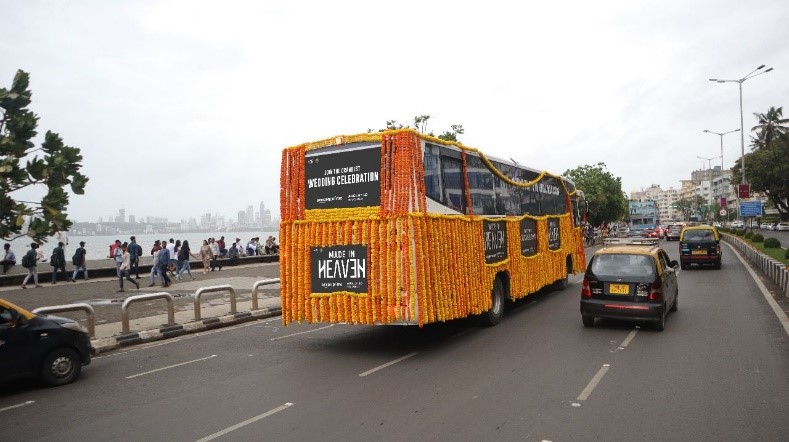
(771, 126)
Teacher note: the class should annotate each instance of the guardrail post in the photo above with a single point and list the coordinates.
(255, 290)
(87, 308)
(216, 288)
(135, 298)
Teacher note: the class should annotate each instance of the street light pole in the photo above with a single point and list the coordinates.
(709, 167)
(721, 134)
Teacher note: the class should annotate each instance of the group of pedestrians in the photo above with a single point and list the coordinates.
(35, 255)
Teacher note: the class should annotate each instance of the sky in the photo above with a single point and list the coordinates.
(182, 108)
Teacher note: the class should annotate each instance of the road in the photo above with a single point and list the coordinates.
(720, 371)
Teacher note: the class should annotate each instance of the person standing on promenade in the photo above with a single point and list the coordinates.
(205, 255)
(221, 244)
(117, 255)
(183, 261)
(155, 268)
(135, 252)
(58, 262)
(30, 262)
(80, 262)
(163, 263)
(124, 269)
(171, 250)
(215, 253)
(9, 259)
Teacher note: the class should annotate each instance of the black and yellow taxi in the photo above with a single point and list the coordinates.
(631, 280)
(51, 348)
(700, 245)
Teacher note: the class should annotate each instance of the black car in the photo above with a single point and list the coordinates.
(700, 245)
(634, 281)
(49, 347)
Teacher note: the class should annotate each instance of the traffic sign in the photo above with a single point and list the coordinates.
(723, 202)
(751, 208)
(744, 190)
(723, 212)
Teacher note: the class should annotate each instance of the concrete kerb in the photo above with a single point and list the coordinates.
(773, 269)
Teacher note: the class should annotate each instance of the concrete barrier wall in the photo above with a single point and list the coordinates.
(773, 269)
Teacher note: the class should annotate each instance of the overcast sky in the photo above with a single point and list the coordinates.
(183, 107)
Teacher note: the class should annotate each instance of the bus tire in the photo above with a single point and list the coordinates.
(496, 312)
(563, 283)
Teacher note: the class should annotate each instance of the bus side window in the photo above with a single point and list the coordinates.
(480, 183)
(454, 184)
(433, 173)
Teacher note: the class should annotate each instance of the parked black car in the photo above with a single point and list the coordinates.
(51, 348)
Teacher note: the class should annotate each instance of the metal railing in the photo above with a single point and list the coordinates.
(255, 290)
(217, 288)
(81, 306)
(145, 297)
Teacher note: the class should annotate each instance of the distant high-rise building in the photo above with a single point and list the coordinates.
(122, 215)
(250, 215)
(262, 210)
(267, 218)
(132, 218)
(242, 218)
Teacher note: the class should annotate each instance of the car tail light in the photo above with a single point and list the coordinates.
(656, 293)
(585, 291)
(718, 249)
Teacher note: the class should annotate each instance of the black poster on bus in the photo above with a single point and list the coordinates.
(343, 179)
(495, 233)
(339, 269)
(528, 237)
(554, 234)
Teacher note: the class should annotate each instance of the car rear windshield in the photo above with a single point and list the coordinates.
(623, 265)
(699, 235)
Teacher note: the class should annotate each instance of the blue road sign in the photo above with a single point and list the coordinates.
(751, 208)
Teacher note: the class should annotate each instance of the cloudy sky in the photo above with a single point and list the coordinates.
(183, 107)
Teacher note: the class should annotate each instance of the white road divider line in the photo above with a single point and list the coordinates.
(782, 318)
(628, 339)
(301, 333)
(593, 383)
(170, 366)
(17, 406)
(235, 427)
(381, 367)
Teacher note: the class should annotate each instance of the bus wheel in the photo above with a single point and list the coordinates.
(494, 315)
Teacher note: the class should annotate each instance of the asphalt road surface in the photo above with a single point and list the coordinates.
(720, 371)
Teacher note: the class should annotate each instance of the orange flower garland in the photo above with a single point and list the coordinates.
(422, 267)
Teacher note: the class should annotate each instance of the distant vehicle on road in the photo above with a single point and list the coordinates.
(699, 245)
(767, 226)
(49, 347)
(737, 224)
(630, 279)
(782, 227)
(673, 231)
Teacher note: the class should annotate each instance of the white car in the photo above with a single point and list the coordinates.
(782, 227)
(767, 226)
(737, 225)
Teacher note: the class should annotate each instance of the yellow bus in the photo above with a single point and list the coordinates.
(398, 227)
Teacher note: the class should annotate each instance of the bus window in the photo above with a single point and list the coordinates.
(454, 186)
(480, 182)
(432, 172)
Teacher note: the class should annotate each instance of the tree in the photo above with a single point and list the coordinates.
(420, 125)
(58, 168)
(771, 127)
(689, 206)
(602, 190)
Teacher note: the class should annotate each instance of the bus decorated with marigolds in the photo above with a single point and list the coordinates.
(398, 227)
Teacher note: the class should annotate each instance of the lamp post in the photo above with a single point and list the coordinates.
(721, 134)
(709, 167)
(754, 73)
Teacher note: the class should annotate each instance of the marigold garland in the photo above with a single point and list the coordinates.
(422, 267)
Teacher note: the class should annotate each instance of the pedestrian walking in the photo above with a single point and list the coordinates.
(80, 262)
(9, 259)
(135, 252)
(117, 255)
(214, 254)
(172, 251)
(58, 263)
(205, 255)
(155, 267)
(164, 262)
(30, 262)
(124, 268)
(183, 261)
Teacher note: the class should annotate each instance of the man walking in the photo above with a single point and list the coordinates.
(124, 269)
(80, 262)
(30, 262)
(117, 255)
(163, 261)
(58, 263)
(214, 251)
(9, 259)
(135, 251)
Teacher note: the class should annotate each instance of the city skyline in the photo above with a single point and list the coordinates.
(247, 216)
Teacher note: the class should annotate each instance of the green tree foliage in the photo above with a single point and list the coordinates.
(767, 165)
(692, 205)
(420, 125)
(22, 168)
(603, 192)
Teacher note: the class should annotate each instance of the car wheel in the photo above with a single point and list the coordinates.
(60, 367)
(718, 264)
(588, 321)
(494, 315)
(661, 324)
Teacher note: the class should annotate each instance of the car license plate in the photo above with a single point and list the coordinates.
(619, 289)
(699, 252)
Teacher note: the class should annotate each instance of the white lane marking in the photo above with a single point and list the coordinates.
(593, 383)
(301, 333)
(17, 406)
(235, 427)
(766, 293)
(171, 366)
(628, 339)
(381, 367)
